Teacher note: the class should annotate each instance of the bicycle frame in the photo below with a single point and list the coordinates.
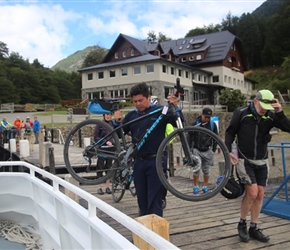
(142, 141)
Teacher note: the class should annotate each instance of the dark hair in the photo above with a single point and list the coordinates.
(140, 89)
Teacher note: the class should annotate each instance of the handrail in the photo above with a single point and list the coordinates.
(93, 202)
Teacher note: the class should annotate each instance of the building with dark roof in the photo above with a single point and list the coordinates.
(205, 64)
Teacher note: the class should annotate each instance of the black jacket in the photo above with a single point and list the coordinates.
(253, 131)
(203, 142)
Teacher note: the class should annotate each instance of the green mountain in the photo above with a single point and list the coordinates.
(73, 62)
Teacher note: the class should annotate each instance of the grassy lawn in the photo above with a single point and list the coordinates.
(67, 124)
(59, 112)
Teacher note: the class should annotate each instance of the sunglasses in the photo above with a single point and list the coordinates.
(267, 101)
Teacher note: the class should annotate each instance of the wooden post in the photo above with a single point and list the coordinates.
(41, 156)
(157, 224)
(51, 160)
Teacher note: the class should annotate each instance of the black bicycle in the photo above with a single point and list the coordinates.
(123, 180)
(81, 152)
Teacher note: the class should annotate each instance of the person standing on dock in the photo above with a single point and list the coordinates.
(250, 126)
(36, 129)
(149, 188)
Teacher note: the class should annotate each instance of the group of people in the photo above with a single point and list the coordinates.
(249, 127)
(29, 127)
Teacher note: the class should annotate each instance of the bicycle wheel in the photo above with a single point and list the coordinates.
(180, 178)
(81, 153)
(118, 186)
(132, 188)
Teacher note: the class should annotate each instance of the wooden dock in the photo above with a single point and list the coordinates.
(210, 224)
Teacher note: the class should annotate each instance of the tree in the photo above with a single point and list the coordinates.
(8, 91)
(230, 23)
(211, 28)
(249, 33)
(95, 56)
(232, 98)
(278, 37)
(153, 38)
(4, 51)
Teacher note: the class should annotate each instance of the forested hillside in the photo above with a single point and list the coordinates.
(23, 82)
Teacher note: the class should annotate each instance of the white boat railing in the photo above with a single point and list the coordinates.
(62, 222)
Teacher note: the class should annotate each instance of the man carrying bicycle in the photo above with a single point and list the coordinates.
(149, 188)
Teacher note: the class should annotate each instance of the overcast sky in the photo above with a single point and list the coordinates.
(52, 30)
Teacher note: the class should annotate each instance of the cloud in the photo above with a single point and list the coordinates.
(36, 31)
(52, 30)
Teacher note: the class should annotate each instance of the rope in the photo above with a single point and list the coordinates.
(20, 234)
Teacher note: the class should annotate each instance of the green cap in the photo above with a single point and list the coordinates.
(265, 98)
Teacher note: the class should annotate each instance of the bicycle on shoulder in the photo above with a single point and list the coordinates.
(81, 152)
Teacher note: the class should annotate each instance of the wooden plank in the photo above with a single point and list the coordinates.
(210, 224)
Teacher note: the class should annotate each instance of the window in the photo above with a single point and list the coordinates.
(118, 93)
(124, 53)
(137, 70)
(234, 81)
(98, 94)
(183, 59)
(226, 79)
(230, 80)
(191, 58)
(150, 68)
(100, 75)
(168, 90)
(90, 76)
(172, 70)
(112, 73)
(179, 72)
(199, 78)
(180, 47)
(204, 79)
(198, 57)
(116, 55)
(193, 76)
(164, 68)
(186, 95)
(124, 72)
(186, 74)
(132, 52)
(215, 79)
(184, 42)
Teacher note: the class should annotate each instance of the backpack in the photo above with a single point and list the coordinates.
(234, 188)
(211, 121)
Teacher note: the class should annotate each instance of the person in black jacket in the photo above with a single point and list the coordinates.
(149, 188)
(250, 126)
(203, 148)
(104, 163)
